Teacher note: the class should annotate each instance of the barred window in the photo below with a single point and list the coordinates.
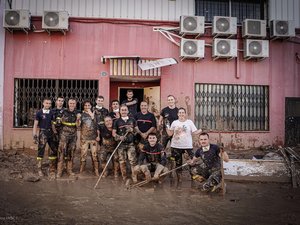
(29, 94)
(252, 9)
(232, 107)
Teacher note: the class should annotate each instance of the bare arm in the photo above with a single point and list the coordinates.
(224, 155)
(34, 130)
(131, 103)
(170, 132)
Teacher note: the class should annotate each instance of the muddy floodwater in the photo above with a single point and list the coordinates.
(77, 202)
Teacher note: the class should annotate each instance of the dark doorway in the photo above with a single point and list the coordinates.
(292, 121)
(137, 93)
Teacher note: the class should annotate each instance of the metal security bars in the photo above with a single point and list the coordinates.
(29, 93)
(252, 9)
(232, 107)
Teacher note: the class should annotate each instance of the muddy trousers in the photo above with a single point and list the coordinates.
(47, 136)
(212, 177)
(66, 150)
(126, 151)
(146, 169)
(176, 157)
(85, 145)
(105, 153)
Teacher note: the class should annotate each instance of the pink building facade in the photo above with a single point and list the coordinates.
(77, 55)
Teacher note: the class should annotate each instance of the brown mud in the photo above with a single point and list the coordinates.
(71, 201)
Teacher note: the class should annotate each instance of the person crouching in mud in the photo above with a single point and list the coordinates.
(152, 158)
(206, 164)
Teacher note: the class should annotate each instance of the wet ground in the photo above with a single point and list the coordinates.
(77, 202)
(25, 200)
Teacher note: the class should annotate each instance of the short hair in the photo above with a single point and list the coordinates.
(123, 105)
(204, 134)
(115, 100)
(129, 90)
(56, 98)
(107, 117)
(181, 108)
(47, 99)
(101, 97)
(144, 102)
(86, 101)
(171, 96)
(152, 134)
(72, 99)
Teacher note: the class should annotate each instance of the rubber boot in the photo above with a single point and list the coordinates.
(123, 170)
(134, 175)
(70, 168)
(82, 166)
(39, 166)
(60, 167)
(116, 169)
(96, 168)
(105, 174)
(147, 176)
(52, 169)
(179, 176)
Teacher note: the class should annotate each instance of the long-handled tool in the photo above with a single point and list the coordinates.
(108, 161)
(222, 173)
(161, 175)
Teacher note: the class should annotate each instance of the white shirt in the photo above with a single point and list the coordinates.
(182, 137)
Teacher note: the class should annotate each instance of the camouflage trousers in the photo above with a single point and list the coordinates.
(105, 151)
(212, 177)
(47, 136)
(67, 147)
(85, 145)
(127, 151)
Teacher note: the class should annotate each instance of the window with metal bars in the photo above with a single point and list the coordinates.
(232, 107)
(29, 94)
(252, 9)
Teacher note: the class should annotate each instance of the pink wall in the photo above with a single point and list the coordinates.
(77, 56)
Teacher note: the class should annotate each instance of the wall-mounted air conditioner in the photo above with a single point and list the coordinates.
(224, 48)
(254, 28)
(256, 48)
(224, 26)
(16, 19)
(282, 28)
(55, 21)
(193, 25)
(192, 49)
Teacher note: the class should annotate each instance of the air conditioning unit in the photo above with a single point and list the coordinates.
(256, 48)
(192, 48)
(16, 19)
(224, 26)
(192, 25)
(55, 21)
(224, 48)
(254, 28)
(282, 28)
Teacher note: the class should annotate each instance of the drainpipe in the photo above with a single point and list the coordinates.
(2, 42)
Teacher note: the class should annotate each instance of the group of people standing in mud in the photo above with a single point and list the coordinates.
(139, 138)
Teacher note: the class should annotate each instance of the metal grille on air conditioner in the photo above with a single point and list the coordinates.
(16, 19)
(224, 26)
(192, 48)
(282, 28)
(224, 48)
(254, 28)
(193, 25)
(55, 20)
(256, 48)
